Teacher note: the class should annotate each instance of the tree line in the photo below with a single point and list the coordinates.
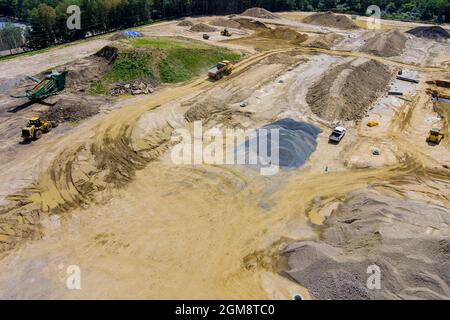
(47, 18)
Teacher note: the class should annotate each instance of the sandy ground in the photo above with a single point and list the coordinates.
(112, 202)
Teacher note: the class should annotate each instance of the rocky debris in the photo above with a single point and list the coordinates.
(134, 88)
(259, 13)
(185, 23)
(348, 90)
(405, 240)
(331, 19)
(434, 32)
(386, 44)
(202, 27)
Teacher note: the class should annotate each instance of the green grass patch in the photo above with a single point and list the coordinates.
(166, 60)
(183, 64)
(167, 43)
(129, 66)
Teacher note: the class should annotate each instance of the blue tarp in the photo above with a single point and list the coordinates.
(131, 34)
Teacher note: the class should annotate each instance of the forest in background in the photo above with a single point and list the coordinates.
(47, 18)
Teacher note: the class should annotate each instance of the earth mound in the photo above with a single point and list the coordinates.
(259, 13)
(295, 144)
(331, 19)
(346, 91)
(185, 23)
(323, 41)
(283, 34)
(227, 23)
(73, 109)
(433, 32)
(386, 44)
(201, 27)
(250, 24)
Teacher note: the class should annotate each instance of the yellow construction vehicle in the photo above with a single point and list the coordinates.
(435, 136)
(372, 123)
(219, 70)
(35, 128)
(225, 33)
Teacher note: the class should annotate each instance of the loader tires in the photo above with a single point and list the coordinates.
(49, 127)
(38, 134)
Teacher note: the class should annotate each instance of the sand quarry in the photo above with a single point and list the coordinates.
(101, 191)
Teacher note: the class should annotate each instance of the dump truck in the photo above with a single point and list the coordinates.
(435, 136)
(219, 70)
(225, 33)
(35, 128)
(52, 84)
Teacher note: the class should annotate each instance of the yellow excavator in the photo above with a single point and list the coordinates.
(435, 136)
(35, 128)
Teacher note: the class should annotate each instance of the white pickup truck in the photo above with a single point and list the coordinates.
(337, 134)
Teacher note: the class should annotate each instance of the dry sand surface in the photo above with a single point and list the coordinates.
(103, 192)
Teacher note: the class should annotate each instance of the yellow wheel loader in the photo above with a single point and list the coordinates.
(35, 128)
(435, 136)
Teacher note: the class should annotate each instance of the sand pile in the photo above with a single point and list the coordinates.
(434, 32)
(259, 13)
(201, 27)
(250, 24)
(227, 23)
(283, 34)
(323, 41)
(330, 19)
(372, 229)
(346, 91)
(73, 108)
(185, 23)
(386, 44)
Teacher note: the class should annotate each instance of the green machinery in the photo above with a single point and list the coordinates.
(52, 84)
